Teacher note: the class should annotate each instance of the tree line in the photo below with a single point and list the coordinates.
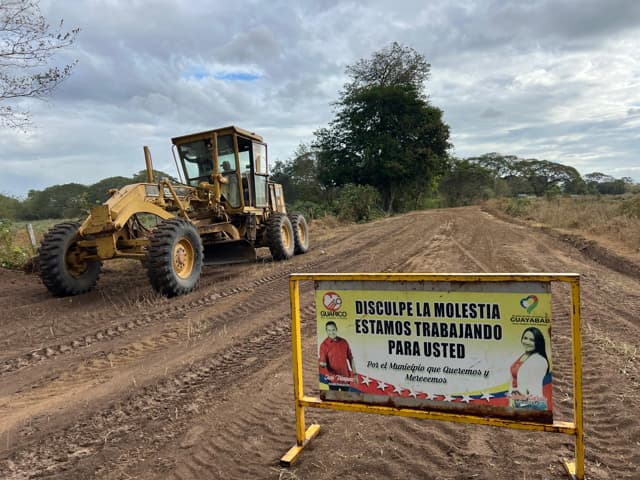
(387, 150)
(70, 200)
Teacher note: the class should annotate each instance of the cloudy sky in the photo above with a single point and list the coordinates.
(556, 80)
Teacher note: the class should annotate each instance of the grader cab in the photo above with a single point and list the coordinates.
(224, 210)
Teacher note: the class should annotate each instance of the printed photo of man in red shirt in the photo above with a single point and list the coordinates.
(336, 360)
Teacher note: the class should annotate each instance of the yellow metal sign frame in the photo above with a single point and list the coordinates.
(574, 467)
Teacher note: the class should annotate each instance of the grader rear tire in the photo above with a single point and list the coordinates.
(175, 257)
(280, 236)
(62, 269)
(300, 233)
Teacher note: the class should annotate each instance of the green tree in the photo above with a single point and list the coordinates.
(466, 183)
(299, 176)
(58, 201)
(543, 175)
(141, 176)
(385, 133)
(606, 184)
(502, 166)
(531, 176)
(9, 207)
(27, 45)
(392, 66)
(98, 192)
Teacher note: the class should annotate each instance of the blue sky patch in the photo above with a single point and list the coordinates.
(196, 74)
(237, 76)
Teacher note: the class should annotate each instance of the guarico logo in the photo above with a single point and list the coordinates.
(332, 301)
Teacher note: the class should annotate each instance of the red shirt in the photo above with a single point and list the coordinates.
(514, 372)
(335, 354)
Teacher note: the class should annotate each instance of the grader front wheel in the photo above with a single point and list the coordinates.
(63, 268)
(175, 257)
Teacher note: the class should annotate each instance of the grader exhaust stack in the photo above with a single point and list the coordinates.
(149, 163)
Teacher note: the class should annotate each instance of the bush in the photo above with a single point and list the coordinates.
(310, 210)
(359, 203)
(517, 207)
(432, 202)
(465, 184)
(12, 255)
(631, 207)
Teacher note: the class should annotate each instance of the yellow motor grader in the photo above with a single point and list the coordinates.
(225, 209)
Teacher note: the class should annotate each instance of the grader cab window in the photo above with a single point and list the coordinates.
(228, 169)
(254, 175)
(260, 163)
(197, 161)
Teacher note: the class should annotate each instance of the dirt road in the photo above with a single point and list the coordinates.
(121, 383)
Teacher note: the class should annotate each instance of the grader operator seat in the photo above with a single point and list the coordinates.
(229, 185)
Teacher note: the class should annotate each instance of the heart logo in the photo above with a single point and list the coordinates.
(529, 303)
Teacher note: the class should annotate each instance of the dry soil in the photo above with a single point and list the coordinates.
(121, 383)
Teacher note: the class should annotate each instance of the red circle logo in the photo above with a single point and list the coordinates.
(332, 301)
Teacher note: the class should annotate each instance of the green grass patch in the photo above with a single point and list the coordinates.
(15, 246)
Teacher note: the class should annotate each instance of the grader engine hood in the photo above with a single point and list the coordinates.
(113, 214)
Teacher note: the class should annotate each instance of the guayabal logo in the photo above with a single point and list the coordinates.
(529, 303)
(332, 301)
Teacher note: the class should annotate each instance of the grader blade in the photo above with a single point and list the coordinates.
(233, 251)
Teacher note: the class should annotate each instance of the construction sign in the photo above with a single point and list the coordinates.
(425, 345)
(466, 348)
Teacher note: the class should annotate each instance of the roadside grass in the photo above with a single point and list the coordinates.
(615, 217)
(15, 247)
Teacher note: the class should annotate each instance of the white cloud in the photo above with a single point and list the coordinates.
(553, 80)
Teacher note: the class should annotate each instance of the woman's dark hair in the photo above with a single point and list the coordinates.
(538, 342)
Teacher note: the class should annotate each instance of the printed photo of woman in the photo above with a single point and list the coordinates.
(530, 373)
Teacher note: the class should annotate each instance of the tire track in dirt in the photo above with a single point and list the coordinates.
(485, 439)
(517, 449)
(563, 385)
(176, 312)
(106, 334)
(74, 381)
(121, 300)
(118, 285)
(604, 449)
(211, 455)
(142, 412)
(109, 442)
(372, 241)
(151, 316)
(189, 391)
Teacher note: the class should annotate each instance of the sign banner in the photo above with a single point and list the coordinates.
(477, 347)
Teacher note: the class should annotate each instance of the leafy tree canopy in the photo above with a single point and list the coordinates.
(390, 67)
(385, 133)
(9, 207)
(299, 176)
(466, 183)
(531, 176)
(70, 200)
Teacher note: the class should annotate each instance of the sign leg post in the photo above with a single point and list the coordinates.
(302, 436)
